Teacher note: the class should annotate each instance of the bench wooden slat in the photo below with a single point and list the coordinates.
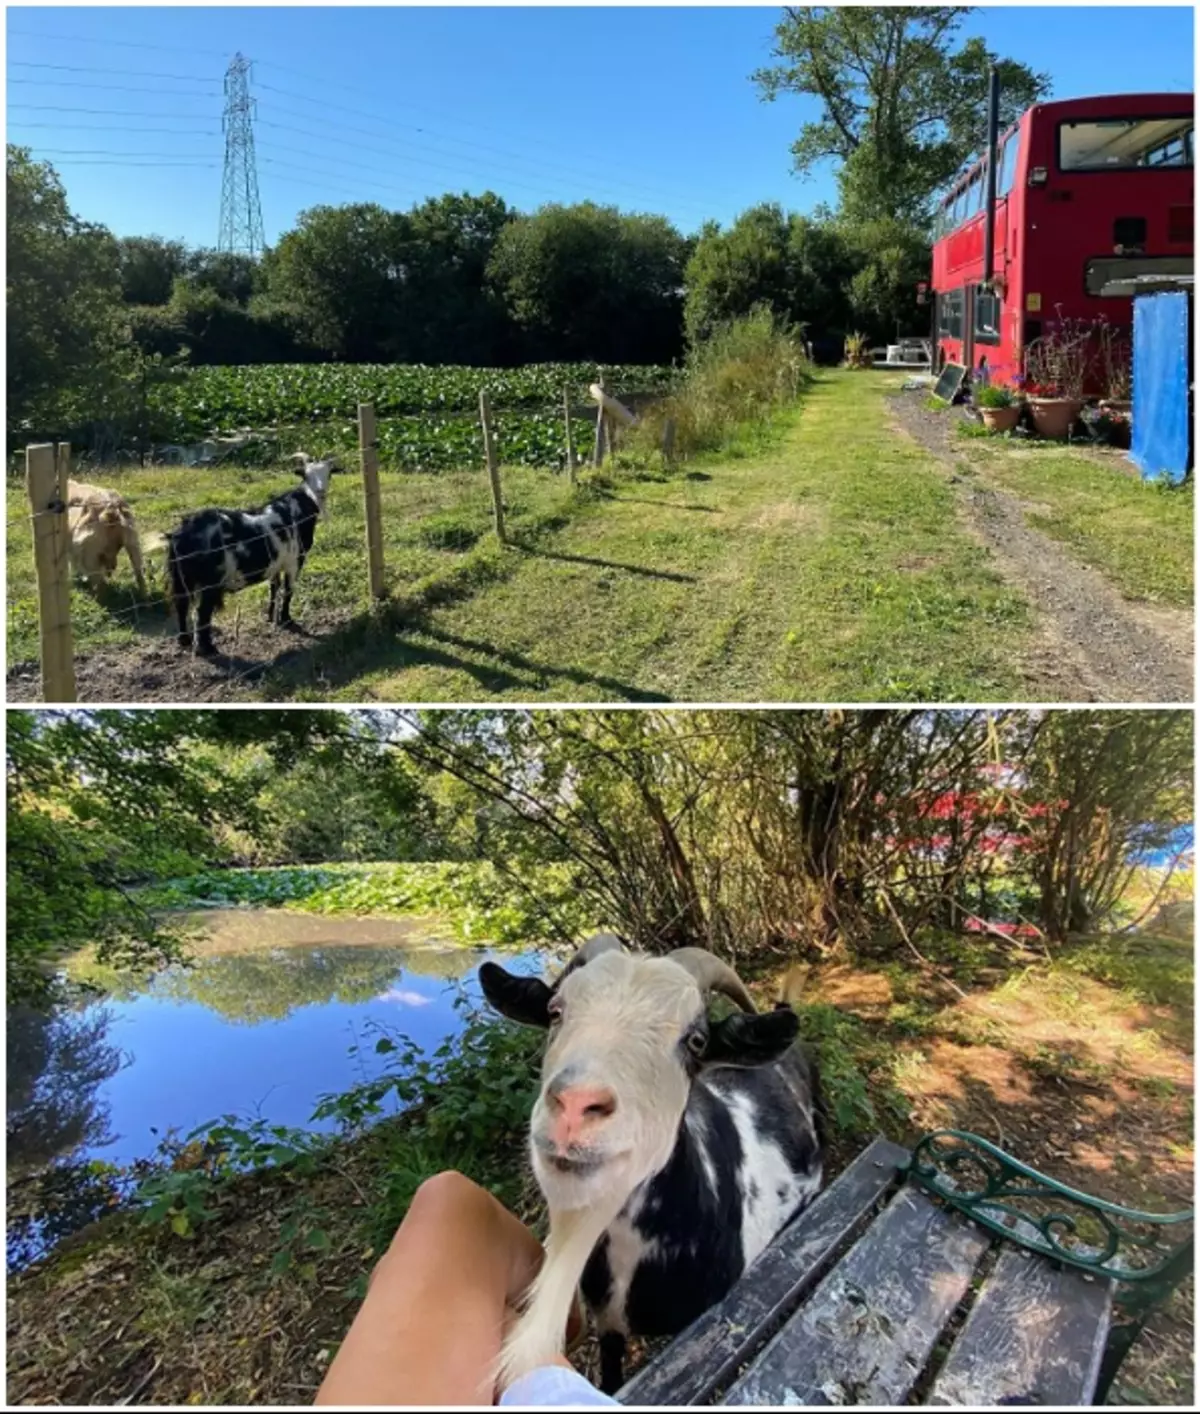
(865, 1334)
(712, 1347)
(1036, 1335)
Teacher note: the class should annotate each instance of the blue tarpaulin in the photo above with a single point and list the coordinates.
(1161, 445)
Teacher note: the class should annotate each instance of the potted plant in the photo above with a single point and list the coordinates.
(1108, 425)
(1056, 369)
(1116, 371)
(857, 354)
(999, 407)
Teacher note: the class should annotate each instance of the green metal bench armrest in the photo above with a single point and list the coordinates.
(989, 1186)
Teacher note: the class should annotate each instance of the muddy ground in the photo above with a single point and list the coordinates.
(157, 669)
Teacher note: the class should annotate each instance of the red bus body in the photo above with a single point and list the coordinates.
(1081, 201)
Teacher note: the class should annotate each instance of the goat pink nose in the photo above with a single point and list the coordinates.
(575, 1109)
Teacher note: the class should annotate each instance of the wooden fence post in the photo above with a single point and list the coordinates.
(368, 446)
(668, 446)
(570, 439)
(47, 470)
(493, 465)
(598, 447)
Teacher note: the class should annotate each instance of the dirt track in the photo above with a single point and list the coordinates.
(1092, 644)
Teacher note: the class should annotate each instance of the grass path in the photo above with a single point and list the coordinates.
(823, 564)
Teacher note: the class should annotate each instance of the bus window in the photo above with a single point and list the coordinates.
(1122, 144)
(1007, 168)
(987, 316)
(950, 314)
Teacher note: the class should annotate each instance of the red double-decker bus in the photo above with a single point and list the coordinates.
(1089, 191)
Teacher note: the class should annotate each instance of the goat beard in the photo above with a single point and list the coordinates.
(539, 1335)
(540, 1332)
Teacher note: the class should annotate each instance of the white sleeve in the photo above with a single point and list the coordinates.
(554, 1385)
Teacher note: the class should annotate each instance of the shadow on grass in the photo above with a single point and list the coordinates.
(607, 564)
(658, 505)
(388, 640)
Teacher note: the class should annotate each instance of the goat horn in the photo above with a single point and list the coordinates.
(713, 975)
(595, 945)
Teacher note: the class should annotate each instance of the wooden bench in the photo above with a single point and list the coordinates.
(911, 1276)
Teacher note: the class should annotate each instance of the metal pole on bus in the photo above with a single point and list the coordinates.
(993, 143)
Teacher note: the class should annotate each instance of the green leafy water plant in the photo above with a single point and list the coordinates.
(426, 413)
(478, 902)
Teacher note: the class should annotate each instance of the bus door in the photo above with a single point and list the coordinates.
(968, 338)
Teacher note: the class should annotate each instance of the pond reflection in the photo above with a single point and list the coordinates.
(276, 1010)
(56, 1065)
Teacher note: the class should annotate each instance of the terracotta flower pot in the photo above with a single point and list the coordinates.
(1001, 419)
(1054, 417)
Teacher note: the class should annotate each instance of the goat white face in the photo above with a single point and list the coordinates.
(315, 476)
(627, 1034)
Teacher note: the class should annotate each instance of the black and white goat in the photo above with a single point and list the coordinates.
(670, 1147)
(216, 552)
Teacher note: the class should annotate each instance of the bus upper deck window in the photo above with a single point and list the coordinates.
(1124, 144)
(1007, 166)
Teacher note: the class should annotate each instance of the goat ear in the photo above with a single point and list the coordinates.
(751, 1040)
(523, 999)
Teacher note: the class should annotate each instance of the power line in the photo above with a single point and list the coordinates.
(488, 169)
(677, 196)
(117, 43)
(126, 162)
(394, 150)
(395, 157)
(99, 112)
(657, 188)
(401, 103)
(92, 69)
(125, 88)
(103, 152)
(117, 128)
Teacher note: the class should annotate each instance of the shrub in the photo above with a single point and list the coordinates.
(740, 375)
(994, 395)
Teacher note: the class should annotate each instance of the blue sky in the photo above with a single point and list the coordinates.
(646, 108)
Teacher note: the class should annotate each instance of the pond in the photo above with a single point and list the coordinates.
(277, 1009)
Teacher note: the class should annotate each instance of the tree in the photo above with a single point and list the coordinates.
(229, 274)
(588, 283)
(67, 350)
(344, 270)
(149, 268)
(99, 801)
(903, 103)
(889, 258)
(798, 266)
(449, 313)
(1110, 785)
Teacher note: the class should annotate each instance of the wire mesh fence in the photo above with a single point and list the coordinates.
(431, 526)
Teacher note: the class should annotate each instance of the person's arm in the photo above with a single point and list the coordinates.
(435, 1313)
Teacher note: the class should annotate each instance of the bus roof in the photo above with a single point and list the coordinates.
(1112, 105)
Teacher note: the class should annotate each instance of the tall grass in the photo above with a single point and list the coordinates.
(739, 377)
